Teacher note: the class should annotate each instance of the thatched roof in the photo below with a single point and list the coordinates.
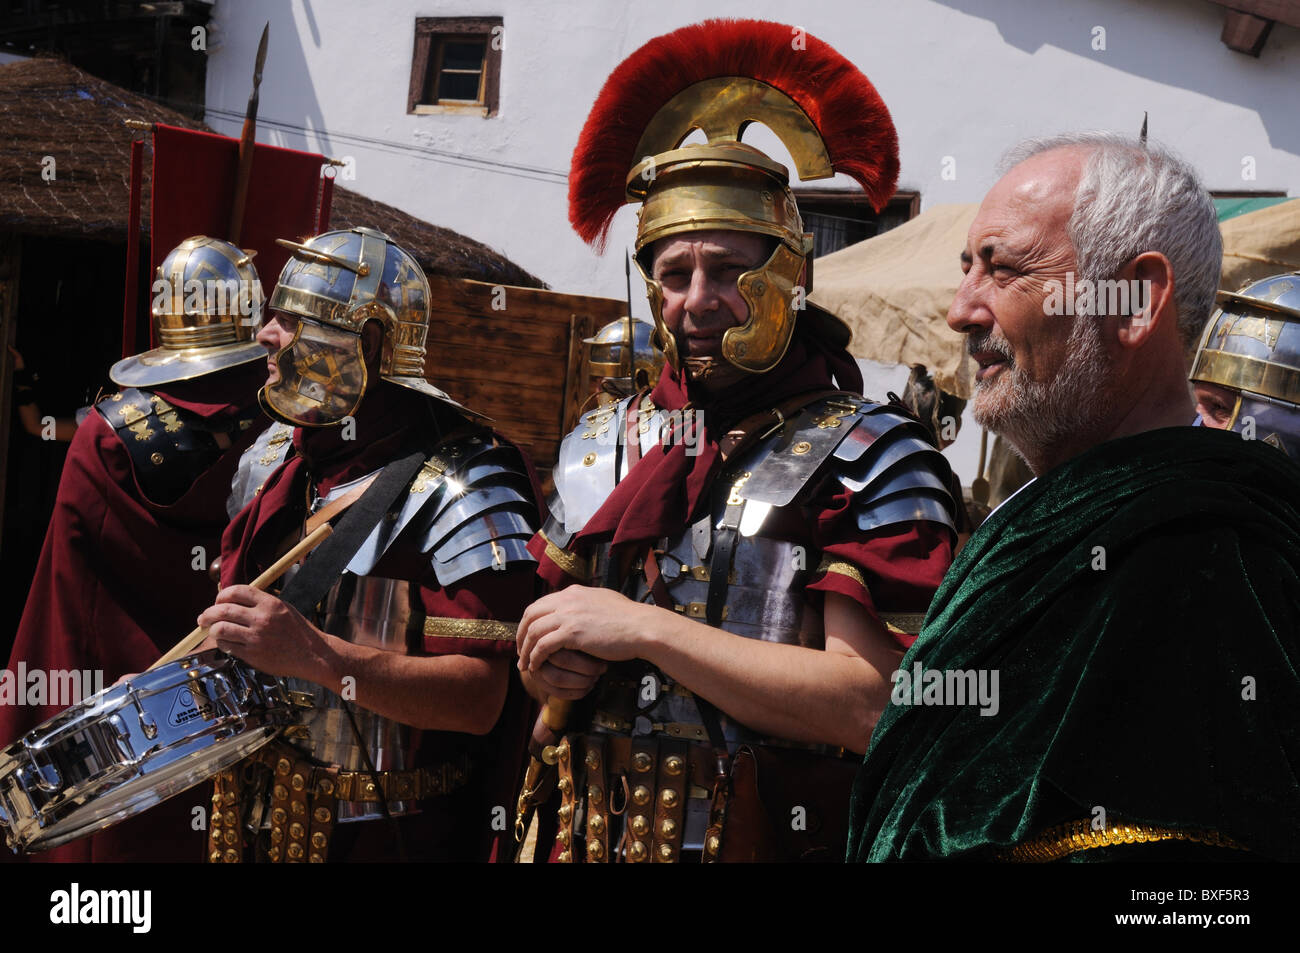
(51, 108)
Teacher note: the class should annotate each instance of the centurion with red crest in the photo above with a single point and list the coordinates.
(718, 77)
(775, 535)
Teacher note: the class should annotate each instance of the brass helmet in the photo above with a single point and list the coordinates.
(207, 308)
(1251, 346)
(334, 284)
(719, 76)
(613, 366)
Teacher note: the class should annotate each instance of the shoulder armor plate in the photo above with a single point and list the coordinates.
(554, 527)
(785, 464)
(886, 459)
(469, 508)
(258, 462)
(589, 465)
(168, 447)
(897, 476)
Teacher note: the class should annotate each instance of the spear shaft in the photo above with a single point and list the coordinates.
(247, 142)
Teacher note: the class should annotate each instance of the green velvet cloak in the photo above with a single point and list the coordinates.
(1126, 687)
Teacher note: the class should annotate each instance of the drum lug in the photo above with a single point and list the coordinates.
(147, 723)
(221, 688)
(121, 736)
(39, 775)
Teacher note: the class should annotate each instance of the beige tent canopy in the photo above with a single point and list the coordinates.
(1259, 244)
(894, 290)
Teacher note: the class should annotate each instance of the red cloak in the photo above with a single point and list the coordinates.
(120, 580)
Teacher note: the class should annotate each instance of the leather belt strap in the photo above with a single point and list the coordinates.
(415, 785)
(724, 550)
(597, 834)
(324, 807)
(618, 752)
(657, 776)
(299, 786)
(670, 802)
(224, 828)
(639, 817)
(674, 729)
(568, 800)
(324, 566)
(655, 581)
(304, 797)
(633, 431)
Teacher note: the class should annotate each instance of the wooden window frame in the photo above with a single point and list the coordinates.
(429, 32)
(905, 203)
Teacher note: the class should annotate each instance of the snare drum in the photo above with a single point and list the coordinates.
(135, 745)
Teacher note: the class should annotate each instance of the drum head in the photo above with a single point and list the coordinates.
(135, 745)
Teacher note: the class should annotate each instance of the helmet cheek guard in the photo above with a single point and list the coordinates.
(335, 284)
(1235, 417)
(758, 345)
(664, 339)
(322, 377)
(769, 292)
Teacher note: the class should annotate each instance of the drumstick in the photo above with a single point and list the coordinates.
(187, 645)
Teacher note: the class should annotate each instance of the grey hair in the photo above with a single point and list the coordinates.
(1134, 198)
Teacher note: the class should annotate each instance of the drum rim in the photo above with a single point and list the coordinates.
(47, 825)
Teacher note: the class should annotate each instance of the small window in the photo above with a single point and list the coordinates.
(839, 218)
(456, 67)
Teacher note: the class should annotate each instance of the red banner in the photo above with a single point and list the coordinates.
(194, 184)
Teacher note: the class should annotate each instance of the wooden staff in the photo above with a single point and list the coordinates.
(187, 645)
(549, 727)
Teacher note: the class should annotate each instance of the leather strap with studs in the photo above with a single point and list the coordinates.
(280, 796)
(641, 799)
(568, 801)
(299, 782)
(597, 814)
(324, 807)
(670, 801)
(224, 836)
(415, 784)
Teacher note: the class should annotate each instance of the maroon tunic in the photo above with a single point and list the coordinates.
(118, 583)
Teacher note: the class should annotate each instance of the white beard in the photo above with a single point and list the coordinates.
(1034, 416)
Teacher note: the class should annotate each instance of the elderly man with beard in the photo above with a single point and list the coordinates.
(1139, 600)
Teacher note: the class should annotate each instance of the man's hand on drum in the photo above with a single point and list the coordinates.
(270, 635)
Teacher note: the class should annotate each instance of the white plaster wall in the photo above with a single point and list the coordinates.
(964, 79)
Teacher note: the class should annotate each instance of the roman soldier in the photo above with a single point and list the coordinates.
(141, 507)
(615, 370)
(1244, 373)
(740, 553)
(397, 634)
